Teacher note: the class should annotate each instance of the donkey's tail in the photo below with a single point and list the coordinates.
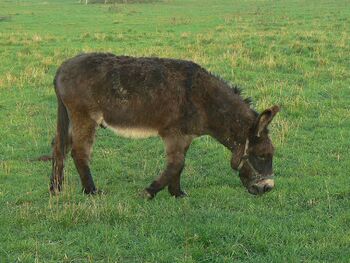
(61, 144)
(62, 139)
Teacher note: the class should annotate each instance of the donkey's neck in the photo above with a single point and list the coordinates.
(229, 117)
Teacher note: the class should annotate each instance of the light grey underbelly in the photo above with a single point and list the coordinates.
(128, 132)
(133, 132)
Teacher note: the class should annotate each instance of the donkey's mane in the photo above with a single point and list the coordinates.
(234, 88)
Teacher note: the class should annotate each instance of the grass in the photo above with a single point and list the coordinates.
(292, 53)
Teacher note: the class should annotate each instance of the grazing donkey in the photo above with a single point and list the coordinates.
(141, 97)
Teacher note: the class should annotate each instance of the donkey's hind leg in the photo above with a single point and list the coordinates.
(176, 148)
(83, 136)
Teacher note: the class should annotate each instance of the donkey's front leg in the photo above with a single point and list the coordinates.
(176, 148)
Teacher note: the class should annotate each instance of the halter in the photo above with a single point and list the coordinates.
(245, 159)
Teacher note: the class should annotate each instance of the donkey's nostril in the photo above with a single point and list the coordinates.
(254, 189)
(261, 187)
(267, 188)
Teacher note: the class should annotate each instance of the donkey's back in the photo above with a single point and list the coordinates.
(126, 92)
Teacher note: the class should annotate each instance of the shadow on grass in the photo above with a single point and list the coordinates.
(5, 18)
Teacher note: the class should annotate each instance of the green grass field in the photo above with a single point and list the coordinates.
(293, 53)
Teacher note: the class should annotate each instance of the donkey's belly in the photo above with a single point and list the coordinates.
(133, 132)
(124, 130)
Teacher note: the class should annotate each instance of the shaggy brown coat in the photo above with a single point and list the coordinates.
(175, 99)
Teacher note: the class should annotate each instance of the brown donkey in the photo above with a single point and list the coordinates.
(141, 97)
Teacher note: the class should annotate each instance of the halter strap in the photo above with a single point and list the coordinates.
(245, 159)
(244, 156)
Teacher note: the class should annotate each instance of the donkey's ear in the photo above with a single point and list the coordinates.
(265, 118)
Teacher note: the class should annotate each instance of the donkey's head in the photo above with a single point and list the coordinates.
(253, 159)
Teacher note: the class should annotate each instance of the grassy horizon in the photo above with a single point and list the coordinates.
(291, 53)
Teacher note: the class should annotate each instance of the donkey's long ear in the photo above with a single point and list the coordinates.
(265, 118)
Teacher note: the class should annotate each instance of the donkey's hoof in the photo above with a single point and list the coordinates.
(147, 194)
(92, 191)
(182, 194)
(99, 192)
(177, 193)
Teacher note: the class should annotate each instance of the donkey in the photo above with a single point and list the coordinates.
(177, 100)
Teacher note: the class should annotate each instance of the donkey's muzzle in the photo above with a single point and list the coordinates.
(261, 187)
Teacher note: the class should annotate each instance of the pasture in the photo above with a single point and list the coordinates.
(292, 53)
